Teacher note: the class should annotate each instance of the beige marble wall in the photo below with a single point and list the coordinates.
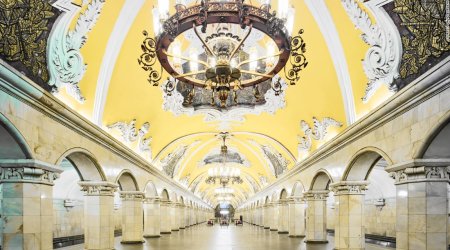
(380, 220)
(68, 221)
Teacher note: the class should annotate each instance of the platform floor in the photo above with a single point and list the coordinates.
(245, 237)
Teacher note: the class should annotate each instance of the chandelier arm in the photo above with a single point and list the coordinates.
(260, 58)
(191, 73)
(203, 42)
(186, 59)
(256, 73)
(242, 41)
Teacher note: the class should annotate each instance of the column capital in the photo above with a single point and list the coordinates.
(28, 171)
(421, 170)
(316, 195)
(349, 187)
(151, 200)
(296, 199)
(98, 188)
(131, 195)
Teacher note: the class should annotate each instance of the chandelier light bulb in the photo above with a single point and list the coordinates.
(176, 50)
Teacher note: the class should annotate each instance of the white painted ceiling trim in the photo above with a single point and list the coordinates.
(121, 28)
(320, 12)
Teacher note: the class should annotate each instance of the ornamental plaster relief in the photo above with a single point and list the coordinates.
(130, 135)
(382, 59)
(65, 61)
(318, 132)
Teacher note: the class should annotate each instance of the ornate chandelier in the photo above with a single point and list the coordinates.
(225, 59)
(224, 173)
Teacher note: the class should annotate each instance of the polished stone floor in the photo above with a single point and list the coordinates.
(247, 237)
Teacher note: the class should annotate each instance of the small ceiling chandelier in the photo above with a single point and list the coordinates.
(227, 55)
(224, 173)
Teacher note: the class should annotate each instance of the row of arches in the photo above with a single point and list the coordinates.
(371, 195)
(79, 197)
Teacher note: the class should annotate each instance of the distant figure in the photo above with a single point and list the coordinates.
(240, 218)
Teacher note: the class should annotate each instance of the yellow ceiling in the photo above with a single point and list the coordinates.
(317, 94)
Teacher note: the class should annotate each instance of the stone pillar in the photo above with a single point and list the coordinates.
(349, 214)
(173, 218)
(422, 204)
(192, 216)
(297, 218)
(274, 216)
(182, 220)
(283, 217)
(187, 215)
(132, 217)
(266, 218)
(98, 214)
(166, 227)
(152, 217)
(26, 204)
(316, 216)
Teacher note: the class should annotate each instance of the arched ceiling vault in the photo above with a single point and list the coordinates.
(116, 90)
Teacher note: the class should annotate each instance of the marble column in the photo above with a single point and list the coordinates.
(349, 214)
(192, 216)
(316, 216)
(283, 217)
(297, 218)
(187, 215)
(152, 217)
(132, 217)
(173, 218)
(26, 204)
(274, 216)
(166, 227)
(266, 218)
(182, 219)
(422, 204)
(98, 214)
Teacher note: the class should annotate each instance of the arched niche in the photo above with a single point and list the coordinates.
(150, 190)
(363, 162)
(127, 181)
(438, 144)
(321, 181)
(12, 143)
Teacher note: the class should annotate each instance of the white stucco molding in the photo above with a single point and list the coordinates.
(121, 28)
(382, 59)
(321, 14)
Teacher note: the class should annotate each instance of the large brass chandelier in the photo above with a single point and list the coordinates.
(224, 173)
(226, 62)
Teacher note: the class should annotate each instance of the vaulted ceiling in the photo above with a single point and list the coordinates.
(116, 89)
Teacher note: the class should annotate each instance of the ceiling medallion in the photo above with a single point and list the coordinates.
(223, 70)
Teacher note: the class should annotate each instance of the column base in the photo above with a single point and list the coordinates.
(132, 242)
(316, 241)
(283, 232)
(176, 230)
(273, 229)
(296, 236)
(152, 236)
(266, 227)
(182, 228)
(166, 232)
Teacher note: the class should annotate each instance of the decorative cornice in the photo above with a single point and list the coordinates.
(65, 61)
(316, 195)
(423, 170)
(28, 171)
(382, 59)
(98, 188)
(349, 187)
(151, 200)
(131, 195)
(296, 200)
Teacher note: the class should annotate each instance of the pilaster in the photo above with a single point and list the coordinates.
(152, 217)
(297, 219)
(316, 216)
(132, 217)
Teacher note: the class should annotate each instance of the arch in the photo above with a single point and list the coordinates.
(321, 180)
(283, 194)
(127, 181)
(12, 143)
(181, 200)
(85, 164)
(437, 142)
(165, 195)
(150, 189)
(297, 189)
(362, 163)
(267, 200)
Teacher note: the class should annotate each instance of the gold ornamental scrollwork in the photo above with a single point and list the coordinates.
(23, 28)
(426, 22)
